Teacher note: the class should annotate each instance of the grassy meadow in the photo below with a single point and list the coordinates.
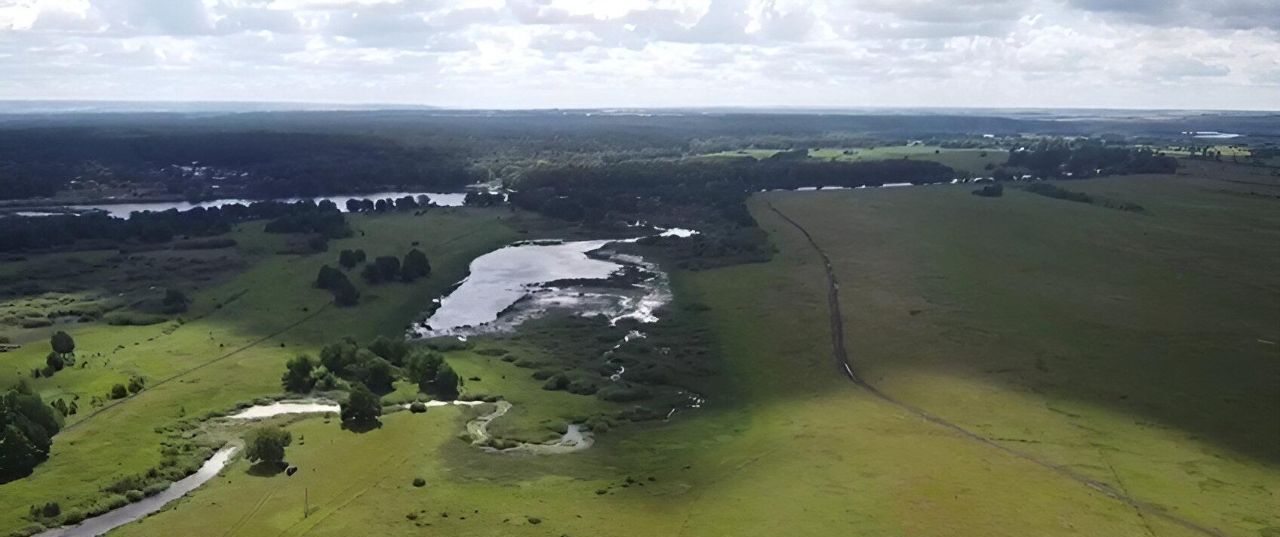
(1137, 348)
(229, 350)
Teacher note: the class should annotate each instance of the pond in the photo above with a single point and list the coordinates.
(528, 279)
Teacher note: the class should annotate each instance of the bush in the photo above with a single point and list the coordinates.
(134, 496)
(118, 391)
(419, 482)
(131, 318)
(417, 407)
(73, 517)
(622, 394)
(557, 382)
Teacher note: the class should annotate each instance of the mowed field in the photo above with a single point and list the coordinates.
(230, 351)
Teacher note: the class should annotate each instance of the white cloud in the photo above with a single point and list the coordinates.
(544, 53)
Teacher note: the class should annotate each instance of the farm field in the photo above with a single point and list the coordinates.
(974, 161)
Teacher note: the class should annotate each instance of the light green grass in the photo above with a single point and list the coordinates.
(785, 445)
(1136, 348)
(231, 354)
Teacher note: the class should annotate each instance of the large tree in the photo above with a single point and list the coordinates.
(297, 376)
(27, 426)
(62, 343)
(415, 266)
(362, 408)
(266, 444)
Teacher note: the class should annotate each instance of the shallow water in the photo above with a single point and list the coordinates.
(122, 210)
(500, 279)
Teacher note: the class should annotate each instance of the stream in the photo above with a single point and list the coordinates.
(574, 439)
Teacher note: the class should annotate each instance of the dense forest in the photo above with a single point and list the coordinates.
(36, 162)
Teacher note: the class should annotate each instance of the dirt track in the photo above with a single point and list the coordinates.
(846, 366)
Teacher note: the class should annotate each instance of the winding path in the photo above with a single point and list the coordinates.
(845, 364)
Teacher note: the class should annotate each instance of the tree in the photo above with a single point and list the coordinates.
(348, 260)
(266, 445)
(446, 383)
(297, 376)
(53, 363)
(346, 294)
(423, 367)
(328, 277)
(175, 301)
(62, 343)
(415, 266)
(361, 409)
(372, 370)
(27, 426)
(393, 349)
(371, 274)
(136, 384)
(388, 266)
(118, 391)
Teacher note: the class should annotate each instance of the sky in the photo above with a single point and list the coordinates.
(1176, 54)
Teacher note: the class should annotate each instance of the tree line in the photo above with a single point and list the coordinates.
(1088, 158)
(37, 232)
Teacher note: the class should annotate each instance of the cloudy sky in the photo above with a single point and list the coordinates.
(577, 53)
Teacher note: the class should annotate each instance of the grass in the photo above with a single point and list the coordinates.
(974, 161)
(1138, 349)
(1023, 319)
(231, 349)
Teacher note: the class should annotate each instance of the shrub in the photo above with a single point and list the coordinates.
(990, 191)
(621, 394)
(73, 517)
(134, 496)
(417, 407)
(130, 318)
(118, 391)
(557, 382)
(419, 482)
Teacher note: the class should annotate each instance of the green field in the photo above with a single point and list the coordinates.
(1134, 349)
(230, 351)
(974, 161)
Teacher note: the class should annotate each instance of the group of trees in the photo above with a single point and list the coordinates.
(376, 366)
(389, 268)
(383, 269)
(61, 355)
(335, 281)
(27, 426)
(1088, 158)
(25, 233)
(592, 193)
(405, 203)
